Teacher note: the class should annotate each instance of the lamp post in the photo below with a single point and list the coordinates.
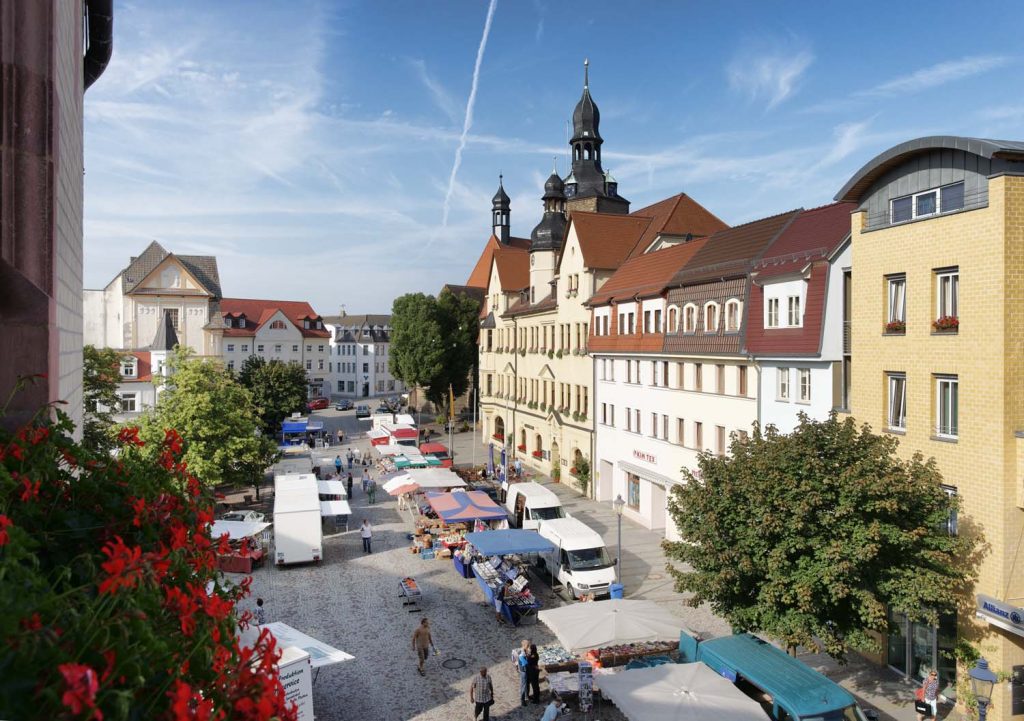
(618, 504)
(982, 682)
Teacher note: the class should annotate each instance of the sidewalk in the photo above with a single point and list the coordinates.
(644, 576)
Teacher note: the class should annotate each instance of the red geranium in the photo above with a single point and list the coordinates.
(80, 687)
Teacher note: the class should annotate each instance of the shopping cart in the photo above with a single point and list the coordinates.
(411, 594)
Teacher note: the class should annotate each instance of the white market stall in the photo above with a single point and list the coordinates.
(247, 541)
(584, 626)
(336, 510)
(678, 692)
(331, 490)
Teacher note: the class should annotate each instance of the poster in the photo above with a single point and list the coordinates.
(586, 676)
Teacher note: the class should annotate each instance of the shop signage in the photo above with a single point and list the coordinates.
(586, 679)
(642, 456)
(1001, 614)
(297, 679)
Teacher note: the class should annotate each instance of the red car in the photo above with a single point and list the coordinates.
(318, 404)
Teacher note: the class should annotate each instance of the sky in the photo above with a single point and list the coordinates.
(346, 153)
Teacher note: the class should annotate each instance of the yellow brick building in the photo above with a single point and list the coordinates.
(937, 336)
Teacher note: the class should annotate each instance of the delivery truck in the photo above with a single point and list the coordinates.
(580, 561)
(298, 536)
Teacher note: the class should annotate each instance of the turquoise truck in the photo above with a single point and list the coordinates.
(787, 689)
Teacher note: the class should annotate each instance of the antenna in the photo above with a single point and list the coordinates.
(586, 73)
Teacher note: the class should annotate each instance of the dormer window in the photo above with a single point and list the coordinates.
(319, 324)
(732, 316)
(305, 323)
(673, 320)
(711, 317)
(129, 367)
(690, 318)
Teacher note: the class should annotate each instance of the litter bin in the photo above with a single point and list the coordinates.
(615, 590)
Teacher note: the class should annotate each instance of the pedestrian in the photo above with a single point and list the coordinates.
(481, 694)
(533, 672)
(260, 614)
(553, 710)
(371, 491)
(519, 468)
(930, 694)
(519, 659)
(422, 642)
(350, 485)
(350, 456)
(499, 599)
(366, 533)
(366, 479)
(341, 436)
(337, 465)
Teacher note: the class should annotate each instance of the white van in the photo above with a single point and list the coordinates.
(527, 504)
(580, 561)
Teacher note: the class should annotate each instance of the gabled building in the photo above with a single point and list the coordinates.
(143, 372)
(797, 324)
(285, 330)
(359, 351)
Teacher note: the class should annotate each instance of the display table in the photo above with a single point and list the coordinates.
(236, 563)
(554, 658)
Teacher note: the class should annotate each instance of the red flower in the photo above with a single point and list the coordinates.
(130, 435)
(189, 705)
(80, 687)
(29, 490)
(5, 522)
(172, 441)
(122, 566)
(32, 623)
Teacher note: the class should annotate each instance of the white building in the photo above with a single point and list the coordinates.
(359, 351)
(284, 330)
(142, 372)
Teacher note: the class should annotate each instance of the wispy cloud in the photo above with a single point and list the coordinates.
(442, 98)
(772, 76)
(467, 123)
(938, 74)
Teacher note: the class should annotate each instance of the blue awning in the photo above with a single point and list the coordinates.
(294, 426)
(513, 540)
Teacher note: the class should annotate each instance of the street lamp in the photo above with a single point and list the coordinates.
(618, 504)
(982, 682)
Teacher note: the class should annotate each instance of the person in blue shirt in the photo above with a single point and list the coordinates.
(553, 710)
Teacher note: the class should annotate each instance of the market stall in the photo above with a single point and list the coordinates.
(246, 545)
(338, 511)
(581, 627)
(496, 559)
(677, 692)
(331, 490)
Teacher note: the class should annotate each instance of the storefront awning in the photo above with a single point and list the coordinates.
(647, 475)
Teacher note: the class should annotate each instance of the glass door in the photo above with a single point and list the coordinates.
(897, 642)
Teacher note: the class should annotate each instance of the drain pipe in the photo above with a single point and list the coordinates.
(100, 18)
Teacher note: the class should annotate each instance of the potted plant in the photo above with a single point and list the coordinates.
(556, 474)
(896, 326)
(521, 447)
(558, 354)
(551, 354)
(946, 324)
(543, 406)
(583, 475)
(576, 416)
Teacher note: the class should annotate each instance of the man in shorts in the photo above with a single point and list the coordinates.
(422, 642)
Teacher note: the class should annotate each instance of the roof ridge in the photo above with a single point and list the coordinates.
(759, 220)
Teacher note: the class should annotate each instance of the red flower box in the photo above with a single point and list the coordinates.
(521, 447)
(538, 454)
(498, 436)
(896, 326)
(946, 323)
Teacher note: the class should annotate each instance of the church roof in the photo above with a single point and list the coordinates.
(481, 273)
(202, 267)
(586, 118)
(677, 215)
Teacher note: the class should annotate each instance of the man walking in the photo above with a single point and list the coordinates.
(422, 642)
(481, 694)
(350, 486)
(350, 456)
(371, 490)
(366, 533)
(366, 480)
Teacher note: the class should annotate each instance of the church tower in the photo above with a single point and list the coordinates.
(588, 186)
(547, 238)
(500, 211)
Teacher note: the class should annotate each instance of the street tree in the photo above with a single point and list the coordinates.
(458, 317)
(278, 389)
(811, 537)
(416, 356)
(101, 371)
(217, 419)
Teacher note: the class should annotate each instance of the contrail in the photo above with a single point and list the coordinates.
(467, 123)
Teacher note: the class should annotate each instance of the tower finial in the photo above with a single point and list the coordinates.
(554, 165)
(586, 73)
(501, 180)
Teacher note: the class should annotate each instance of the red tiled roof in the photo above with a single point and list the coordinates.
(259, 312)
(605, 239)
(803, 341)
(677, 215)
(144, 369)
(648, 274)
(814, 234)
(513, 268)
(481, 273)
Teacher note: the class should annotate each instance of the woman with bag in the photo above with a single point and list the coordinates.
(926, 702)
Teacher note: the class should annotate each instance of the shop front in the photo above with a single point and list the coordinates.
(645, 491)
(916, 648)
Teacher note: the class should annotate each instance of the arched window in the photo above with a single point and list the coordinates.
(710, 317)
(732, 316)
(673, 320)
(538, 444)
(690, 318)
(576, 153)
(588, 151)
(277, 325)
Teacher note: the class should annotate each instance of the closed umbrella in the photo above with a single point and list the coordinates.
(583, 626)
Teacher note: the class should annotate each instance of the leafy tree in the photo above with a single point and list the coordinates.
(810, 537)
(101, 372)
(459, 318)
(217, 419)
(278, 389)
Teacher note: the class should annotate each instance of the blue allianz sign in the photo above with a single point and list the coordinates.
(1001, 614)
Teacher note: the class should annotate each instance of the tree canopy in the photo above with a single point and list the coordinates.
(101, 372)
(433, 342)
(278, 389)
(217, 420)
(810, 537)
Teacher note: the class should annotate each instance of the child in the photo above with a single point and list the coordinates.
(260, 614)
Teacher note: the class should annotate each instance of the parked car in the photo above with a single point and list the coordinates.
(345, 405)
(247, 516)
(318, 404)
(362, 411)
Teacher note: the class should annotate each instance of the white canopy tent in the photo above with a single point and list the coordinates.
(237, 530)
(434, 478)
(583, 626)
(320, 654)
(678, 692)
(335, 508)
(331, 488)
(390, 449)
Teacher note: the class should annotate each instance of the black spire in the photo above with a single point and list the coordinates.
(166, 338)
(550, 231)
(587, 179)
(500, 212)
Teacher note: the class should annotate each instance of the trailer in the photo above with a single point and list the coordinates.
(298, 536)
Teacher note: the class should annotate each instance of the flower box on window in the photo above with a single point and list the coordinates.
(499, 436)
(521, 447)
(896, 326)
(537, 454)
(946, 324)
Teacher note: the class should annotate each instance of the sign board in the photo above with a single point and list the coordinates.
(586, 676)
(999, 613)
(297, 679)
(644, 456)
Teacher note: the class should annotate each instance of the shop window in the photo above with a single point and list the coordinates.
(633, 491)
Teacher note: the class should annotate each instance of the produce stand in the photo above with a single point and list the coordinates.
(246, 547)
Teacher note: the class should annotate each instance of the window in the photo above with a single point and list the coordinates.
(636, 418)
(947, 406)
(259, 348)
(720, 440)
(128, 402)
(897, 416)
(951, 197)
(947, 286)
(173, 312)
(320, 349)
(648, 328)
(632, 323)
(654, 425)
(279, 325)
(720, 378)
(794, 311)
(231, 365)
(782, 384)
(277, 348)
(231, 347)
(673, 320)
(926, 203)
(805, 384)
(664, 428)
(773, 313)
(742, 381)
(128, 366)
(690, 318)
(711, 317)
(604, 413)
(366, 367)
(657, 321)
(897, 302)
(309, 365)
(320, 364)
(698, 435)
(633, 491)
(680, 431)
(732, 316)
(698, 376)
(245, 347)
(366, 349)
(629, 420)
(295, 349)
(951, 525)
(920, 205)
(611, 415)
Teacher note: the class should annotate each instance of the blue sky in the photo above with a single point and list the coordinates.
(310, 145)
